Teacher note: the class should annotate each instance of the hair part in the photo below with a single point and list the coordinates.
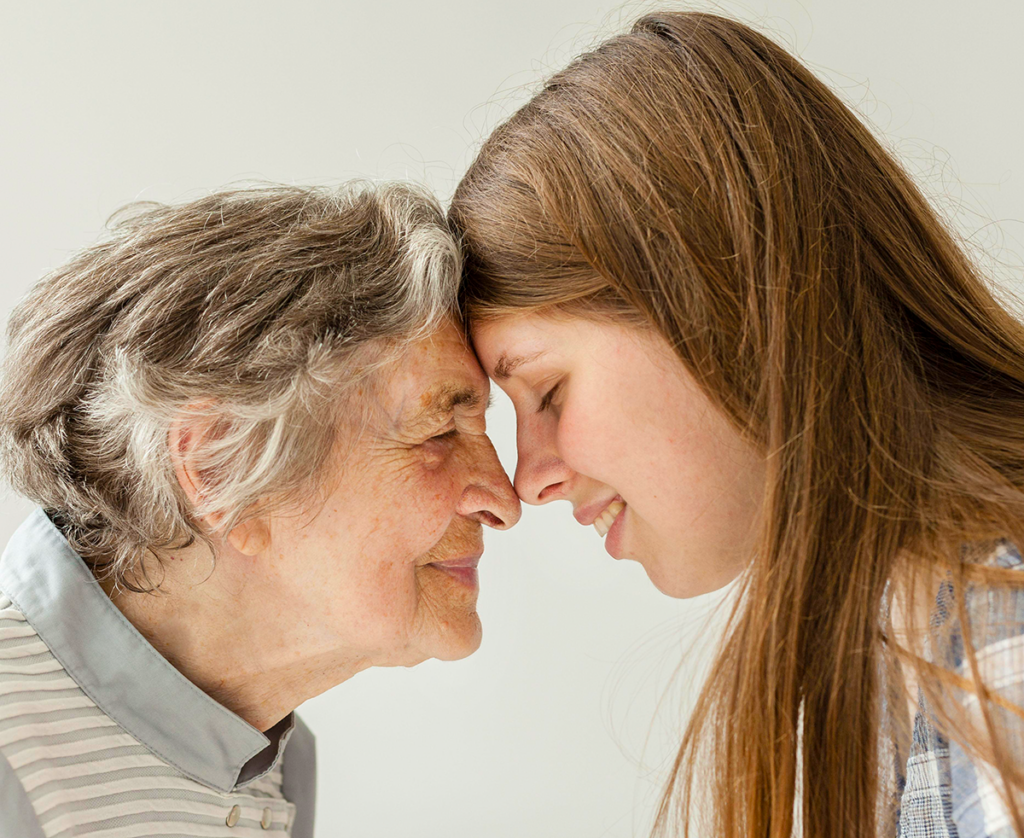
(693, 176)
(261, 313)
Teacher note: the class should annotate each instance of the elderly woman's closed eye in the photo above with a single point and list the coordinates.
(255, 431)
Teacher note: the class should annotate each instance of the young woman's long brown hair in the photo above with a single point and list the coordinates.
(694, 177)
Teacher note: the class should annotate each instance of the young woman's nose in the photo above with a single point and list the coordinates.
(541, 475)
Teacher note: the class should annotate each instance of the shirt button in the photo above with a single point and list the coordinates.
(267, 819)
(233, 815)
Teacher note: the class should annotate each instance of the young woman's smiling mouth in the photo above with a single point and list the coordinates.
(603, 517)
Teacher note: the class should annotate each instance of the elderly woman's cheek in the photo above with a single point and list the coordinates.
(411, 468)
(432, 490)
(443, 467)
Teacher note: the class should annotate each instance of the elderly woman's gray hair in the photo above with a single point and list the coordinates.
(262, 310)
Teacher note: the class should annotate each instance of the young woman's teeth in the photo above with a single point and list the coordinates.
(607, 518)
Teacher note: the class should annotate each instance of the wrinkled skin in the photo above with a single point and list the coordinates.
(296, 603)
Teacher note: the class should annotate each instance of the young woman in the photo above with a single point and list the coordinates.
(742, 344)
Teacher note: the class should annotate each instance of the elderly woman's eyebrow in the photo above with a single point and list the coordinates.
(442, 400)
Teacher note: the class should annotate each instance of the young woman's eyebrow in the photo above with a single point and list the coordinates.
(507, 364)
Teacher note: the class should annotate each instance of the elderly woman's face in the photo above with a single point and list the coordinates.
(388, 566)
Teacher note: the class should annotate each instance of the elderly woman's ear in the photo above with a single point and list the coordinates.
(188, 438)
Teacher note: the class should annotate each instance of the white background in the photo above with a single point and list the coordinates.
(547, 730)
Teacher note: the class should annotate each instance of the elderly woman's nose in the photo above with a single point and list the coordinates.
(541, 475)
(489, 496)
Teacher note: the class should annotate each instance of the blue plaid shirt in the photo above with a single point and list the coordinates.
(943, 793)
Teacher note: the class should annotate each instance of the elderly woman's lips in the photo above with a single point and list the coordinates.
(463, 569)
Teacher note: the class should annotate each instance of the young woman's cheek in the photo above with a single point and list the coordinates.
(581, 440)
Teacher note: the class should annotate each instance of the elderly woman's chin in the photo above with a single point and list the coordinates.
(461, 638)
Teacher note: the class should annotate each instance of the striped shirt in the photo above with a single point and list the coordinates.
(101, 736)
(945, 793)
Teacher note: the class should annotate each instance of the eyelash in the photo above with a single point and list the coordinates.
(545, 402)
(446, 435)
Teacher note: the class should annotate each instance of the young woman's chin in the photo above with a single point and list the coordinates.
(679, 579)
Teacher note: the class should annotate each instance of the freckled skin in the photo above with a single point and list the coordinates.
(627, 419)
(349, 585)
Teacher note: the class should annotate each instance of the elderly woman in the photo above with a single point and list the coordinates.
(257, 443)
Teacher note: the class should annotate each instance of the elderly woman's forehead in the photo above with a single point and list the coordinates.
(434, 379)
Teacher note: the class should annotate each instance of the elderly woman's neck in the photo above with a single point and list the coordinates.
(221, 628)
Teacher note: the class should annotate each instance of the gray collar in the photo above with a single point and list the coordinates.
(119, 670)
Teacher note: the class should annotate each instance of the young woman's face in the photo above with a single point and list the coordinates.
(609, 419)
